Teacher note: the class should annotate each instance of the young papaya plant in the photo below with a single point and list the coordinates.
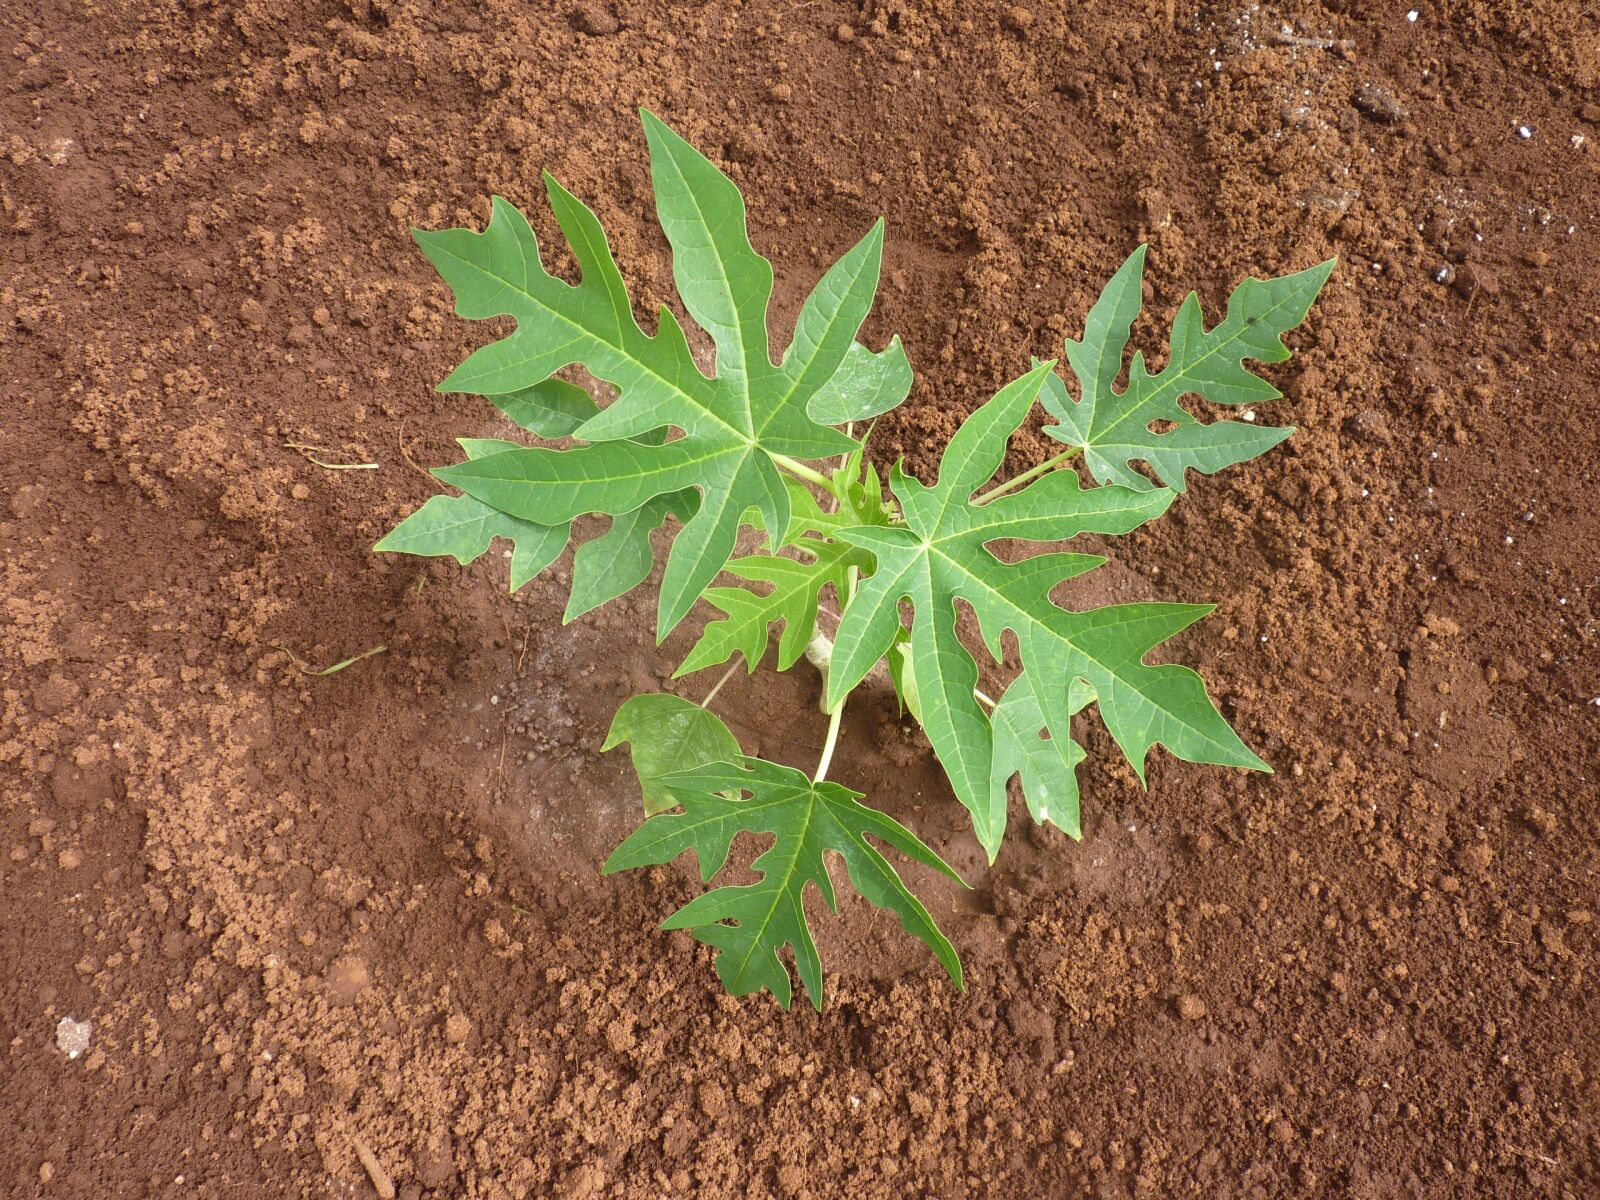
(766, 441)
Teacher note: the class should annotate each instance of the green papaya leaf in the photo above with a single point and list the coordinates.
(733, 424)
(867, 384)
(793, 587)
(1115, 429)
(665, 734)
(903, 675)
(750, 924)
(620, 559)
(940, 555)
(462, 528)
(551, 408)
(1045, 762)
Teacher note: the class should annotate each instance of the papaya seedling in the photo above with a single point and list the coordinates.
(766, 442)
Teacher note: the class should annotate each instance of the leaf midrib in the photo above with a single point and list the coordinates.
(1163, 389)
(777, 893)
(725, 284)
(589, 334)
(1037, 625)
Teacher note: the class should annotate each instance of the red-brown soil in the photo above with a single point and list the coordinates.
(321, 920)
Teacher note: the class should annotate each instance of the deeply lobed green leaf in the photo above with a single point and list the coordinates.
(1114, 428)
(462, 528)
(940, 555)
(791, 599)
(731, 424)
(750, 924)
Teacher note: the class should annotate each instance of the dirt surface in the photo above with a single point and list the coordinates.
(346, 935)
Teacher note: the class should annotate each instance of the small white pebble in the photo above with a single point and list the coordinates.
(1249, 414)
(72, 1036)
(1412, 16)
(1524, 132)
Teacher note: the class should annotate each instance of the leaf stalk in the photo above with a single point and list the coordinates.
(1049, 464)
(834, 718)
(717, 687)
(800, 471)
(823, 763)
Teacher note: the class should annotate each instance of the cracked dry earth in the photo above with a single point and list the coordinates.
(346, 935)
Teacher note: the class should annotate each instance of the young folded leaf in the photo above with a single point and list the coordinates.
(666, 734)
(733, 424)
(1113, 429)
(939, 555)
(806, 819)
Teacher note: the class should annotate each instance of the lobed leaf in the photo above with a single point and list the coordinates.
(791, 601)
(749, 925)
(463, 527)
(940, 555)
(1114, 429)
(732, 424)
(867, 384)
(620, 559)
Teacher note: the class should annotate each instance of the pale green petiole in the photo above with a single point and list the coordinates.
(800, 471)
(1049, 464)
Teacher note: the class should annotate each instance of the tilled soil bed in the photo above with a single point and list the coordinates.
(346, 934)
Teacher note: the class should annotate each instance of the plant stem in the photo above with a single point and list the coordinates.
(827, 746)
(800, 471)
(717, 687)
(1000, 489)
(851, 577)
